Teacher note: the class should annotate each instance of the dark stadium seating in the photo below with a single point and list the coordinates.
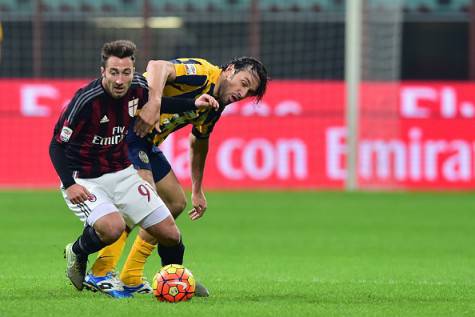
(7, 5)
(135, 7)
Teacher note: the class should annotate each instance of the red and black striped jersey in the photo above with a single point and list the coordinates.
(93, 126)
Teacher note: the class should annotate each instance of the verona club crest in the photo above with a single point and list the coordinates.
(133, 105)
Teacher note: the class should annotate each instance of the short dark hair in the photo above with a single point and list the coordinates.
(251, 64)
(119, 48)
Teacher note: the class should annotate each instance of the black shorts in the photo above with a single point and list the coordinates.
(144, 155)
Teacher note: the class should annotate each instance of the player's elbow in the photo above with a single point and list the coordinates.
(161, 67)
(153, 64)
(54, 149)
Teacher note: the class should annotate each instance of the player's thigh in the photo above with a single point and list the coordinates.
(147, 176)
(141, 155)
(99, 204)
(136, 199)
(159, 164)
(167, 184)
(139, 152)
(170, 190)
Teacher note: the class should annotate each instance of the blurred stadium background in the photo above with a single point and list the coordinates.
(413, 128)
(392, 108)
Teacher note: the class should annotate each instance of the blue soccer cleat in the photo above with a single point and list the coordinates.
(108, 284)
(144, 288)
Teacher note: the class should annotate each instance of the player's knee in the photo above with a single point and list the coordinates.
(110, 232)
(115, 233)
(110, 236)
(172, 238)
(176, 207)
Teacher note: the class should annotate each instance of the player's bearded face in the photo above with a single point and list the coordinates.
(117, 76)
(236, 86)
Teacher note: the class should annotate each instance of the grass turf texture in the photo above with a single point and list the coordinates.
(266, 254)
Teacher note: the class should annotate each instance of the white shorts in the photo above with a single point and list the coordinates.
(124, 192)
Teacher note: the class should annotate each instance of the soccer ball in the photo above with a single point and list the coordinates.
(174, 283)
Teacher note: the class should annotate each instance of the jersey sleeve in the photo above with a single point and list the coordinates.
(71, 119)
(191, 72)
(57, 153)
(62, 134)
(177, 105)
(203, 131)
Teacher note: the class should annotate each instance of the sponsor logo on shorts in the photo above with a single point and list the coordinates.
(144, 157)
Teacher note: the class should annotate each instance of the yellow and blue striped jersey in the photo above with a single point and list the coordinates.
(194, 77)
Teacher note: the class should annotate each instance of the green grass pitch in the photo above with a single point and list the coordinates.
(266, 254)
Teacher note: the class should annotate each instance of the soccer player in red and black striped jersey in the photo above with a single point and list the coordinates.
(99, 184)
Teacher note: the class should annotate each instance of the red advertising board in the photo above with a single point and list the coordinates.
(413, 135)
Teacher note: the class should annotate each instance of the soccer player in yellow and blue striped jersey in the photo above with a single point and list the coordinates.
(193, 77)
(183, 78)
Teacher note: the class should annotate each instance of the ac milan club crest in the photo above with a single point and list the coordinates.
(92, 198)
(133, 105)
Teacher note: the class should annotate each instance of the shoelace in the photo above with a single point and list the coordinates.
(115, 280)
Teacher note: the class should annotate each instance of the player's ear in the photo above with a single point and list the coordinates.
(229, 71)
(230, 68)
(103, 70)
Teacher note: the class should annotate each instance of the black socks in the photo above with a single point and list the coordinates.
(171, 255)
(88, 243)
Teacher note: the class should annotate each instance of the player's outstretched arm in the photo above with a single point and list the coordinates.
(198, 153)
(179, 105)
(158, 74)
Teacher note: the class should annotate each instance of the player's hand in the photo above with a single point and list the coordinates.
(205, 101)
(146, 119)
(199, 205)
(77, 193)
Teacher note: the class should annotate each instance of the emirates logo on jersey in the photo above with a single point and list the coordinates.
(133, 106)
(118, 135)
